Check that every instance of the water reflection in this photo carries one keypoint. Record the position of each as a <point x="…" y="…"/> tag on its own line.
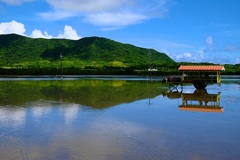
<point x="93" y="93"/>
<point x="104" y="120"/>
<point x="201" y="101"/>
<point x="198" y="101"/>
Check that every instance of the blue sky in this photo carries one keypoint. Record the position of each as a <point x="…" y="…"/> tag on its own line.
<point x="186" y="30"/>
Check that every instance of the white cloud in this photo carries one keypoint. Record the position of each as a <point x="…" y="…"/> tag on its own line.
<point x="112" y="6"/>
<point x="57" y="15"/>
<point x="38" y="34"/>
<point x="184" y="56"/>
<point x="209" y="42"/>
<point x="220" y="59"/>
<point x="112" y="14"/>
<point x="110" y="28"/>
<point x="237" y="61"/>
<point x="19" y="28"/>
<point x="15" y="2"/>
<point x="232" y="48"/>
<point x="115" y="19"/>
<point x="69" y="33"/>
<point x="12" y="27"/>
<point x="201" y="53"/>
<point x="89" y="6"/>
<point x="187" y="55"/>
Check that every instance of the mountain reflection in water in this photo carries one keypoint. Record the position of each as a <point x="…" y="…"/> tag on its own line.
<point x="93" y="93"/>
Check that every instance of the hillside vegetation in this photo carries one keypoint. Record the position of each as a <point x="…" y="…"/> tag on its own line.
<point x="91" y="53"/>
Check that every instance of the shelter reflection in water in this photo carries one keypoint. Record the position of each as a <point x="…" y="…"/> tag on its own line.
<point x="198" y="101"/>
<point x="201" y="101"/>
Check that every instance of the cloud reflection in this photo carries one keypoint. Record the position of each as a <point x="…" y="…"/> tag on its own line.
<point x="40" y="108"/>
<point x="70" y="113"/>
<point x="14" y="117"/>
<point x="39" y="111"/>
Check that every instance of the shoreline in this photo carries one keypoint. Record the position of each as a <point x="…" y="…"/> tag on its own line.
<point x="91" y="75"/>
<point x="103" y="77"/>
<point x="70" y="76"/>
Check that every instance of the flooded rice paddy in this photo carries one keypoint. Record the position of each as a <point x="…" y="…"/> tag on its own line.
<point x="117" y="118"/>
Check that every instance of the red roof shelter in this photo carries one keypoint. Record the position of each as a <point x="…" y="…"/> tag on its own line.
<point x="201" y="75"/>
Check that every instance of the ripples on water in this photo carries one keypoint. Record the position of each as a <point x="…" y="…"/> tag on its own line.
<point x="113" y="119"/>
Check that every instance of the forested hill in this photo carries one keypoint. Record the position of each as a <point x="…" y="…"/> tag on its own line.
<point x="20" y="51"/>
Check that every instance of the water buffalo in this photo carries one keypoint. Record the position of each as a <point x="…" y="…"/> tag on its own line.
<point x="173" y="81"/>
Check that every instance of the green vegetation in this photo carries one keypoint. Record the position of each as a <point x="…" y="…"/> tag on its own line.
<point x="92" y="55"/>
<point x="232" y="69"/>
<point x="21" y="55"/>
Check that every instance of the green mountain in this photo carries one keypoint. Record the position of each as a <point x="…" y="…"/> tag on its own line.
<point x="87" y="53"/>
<point x="90" y="48"/>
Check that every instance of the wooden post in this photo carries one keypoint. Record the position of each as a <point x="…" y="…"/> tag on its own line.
<point x="182" y="76"/>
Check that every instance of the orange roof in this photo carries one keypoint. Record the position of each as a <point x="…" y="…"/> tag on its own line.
<point x="201" y="68"/>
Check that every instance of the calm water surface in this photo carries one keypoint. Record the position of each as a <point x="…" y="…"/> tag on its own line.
<point x="117" y="119"/>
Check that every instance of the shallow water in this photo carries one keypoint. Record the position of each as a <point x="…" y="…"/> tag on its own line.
<point x="117" y="119"/>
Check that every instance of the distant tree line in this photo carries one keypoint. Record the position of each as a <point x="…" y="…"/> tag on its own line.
<point x="110" y="70"/>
